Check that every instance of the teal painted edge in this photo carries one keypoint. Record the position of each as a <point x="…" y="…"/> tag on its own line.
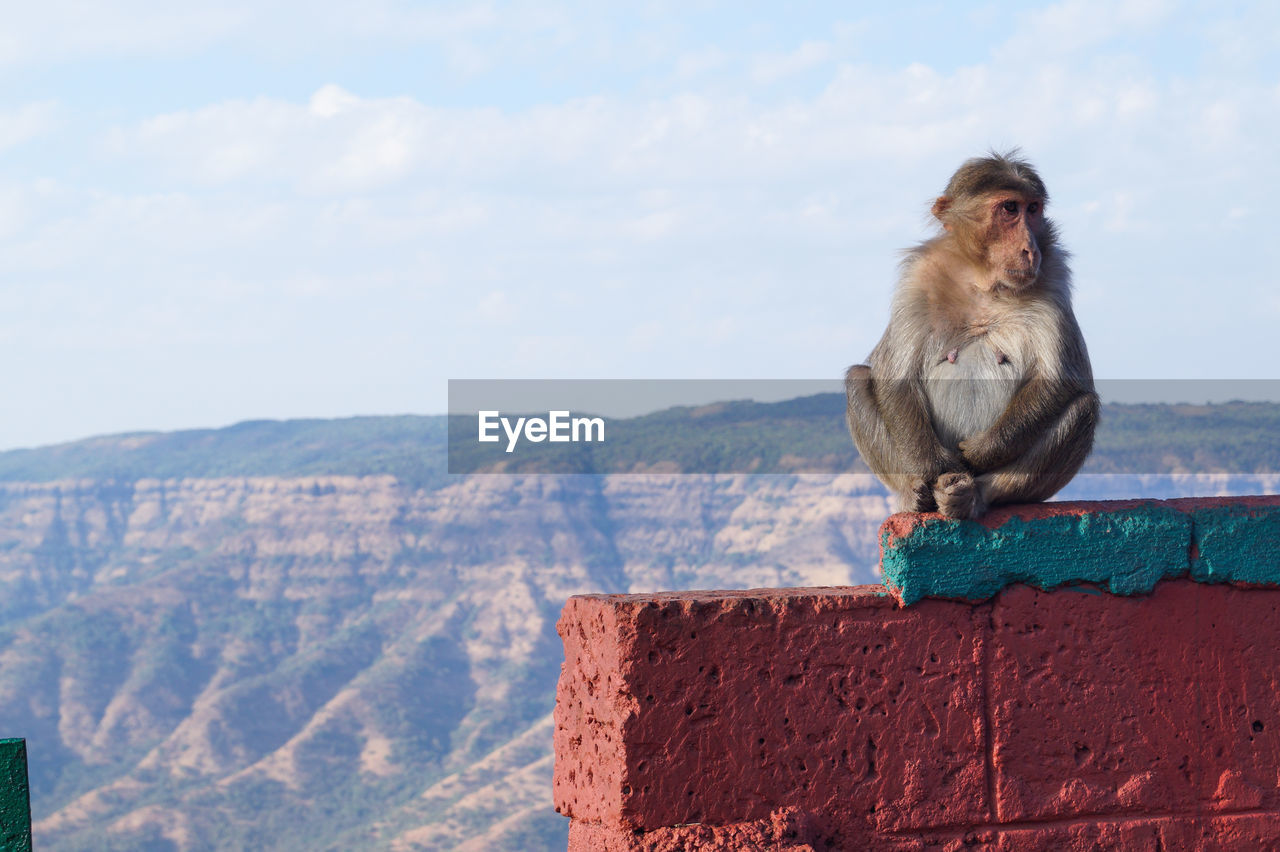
<point x="1236" y="544"/>
<point x="15" y="797"/>
<point x="1124" y="551"/>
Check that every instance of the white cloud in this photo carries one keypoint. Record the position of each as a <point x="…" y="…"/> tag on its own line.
<point x="61" y="30"/>
<point x="1074" y="25"/>
<point x="1220" y="121"/>
<point x="21" y="125"/>
<point x="339" y="142"/>
<point x="613" y="188"/>
<point x="772" y="67"/>
<point x="1243" y="39"/>
<point x="330" y="100"/>
<point x="57" y="30"/>
<point x="695" y="63"/>
<point x="496" y="308"/>
<point x="464" y="38"/>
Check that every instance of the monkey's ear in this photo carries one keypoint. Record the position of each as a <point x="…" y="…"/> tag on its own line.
<point x="941" y="206"/>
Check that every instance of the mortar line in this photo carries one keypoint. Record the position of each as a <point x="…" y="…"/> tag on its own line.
<point x="988" y="750"/>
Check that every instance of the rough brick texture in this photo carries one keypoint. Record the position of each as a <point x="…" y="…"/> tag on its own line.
<point x="723" y="699"/>
<point x="15" y="800"/>
<point x="838" y="718"/>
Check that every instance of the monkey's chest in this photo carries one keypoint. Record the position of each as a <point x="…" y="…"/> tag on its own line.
<point x="969" y="387"/>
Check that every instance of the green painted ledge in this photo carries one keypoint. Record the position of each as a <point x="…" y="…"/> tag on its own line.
<point x="15" y="797"/>
<point x="1122" y="546"/>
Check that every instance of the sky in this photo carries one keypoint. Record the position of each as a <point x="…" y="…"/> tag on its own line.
<point x="213" y="212"/>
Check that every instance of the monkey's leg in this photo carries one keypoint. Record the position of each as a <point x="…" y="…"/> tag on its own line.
<point x="876" y="446"/>
<point x="1050" y="462"/>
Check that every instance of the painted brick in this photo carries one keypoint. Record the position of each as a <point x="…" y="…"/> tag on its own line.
<point x="1158" y="703"/>
<point x="1236" y="540"/>
<point x="1124" y="546"/>
<point x="731" y="706"/>
<point x="784" y="831"/>
<point x="15" y="799"/>
<point x="591" y="711"/>
<point x="1184" y="833"/>
<point x="1019" y="719"/>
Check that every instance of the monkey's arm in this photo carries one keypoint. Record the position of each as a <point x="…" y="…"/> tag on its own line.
<point x="1032" y="411"/>
<point x="905" y="409"/>
<point x="898" y="365"/>
<point x="895" y="437"/>
<point x="891" y="391"/>
<point x="1063" y="379"/>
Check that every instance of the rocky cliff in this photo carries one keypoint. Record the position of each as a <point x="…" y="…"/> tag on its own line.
<point x="343" y="662"/>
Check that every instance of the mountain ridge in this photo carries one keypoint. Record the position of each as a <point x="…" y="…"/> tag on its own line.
<point x="802" y="435"/>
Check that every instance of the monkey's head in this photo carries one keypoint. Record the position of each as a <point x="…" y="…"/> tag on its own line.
<point x="993" y="212"/>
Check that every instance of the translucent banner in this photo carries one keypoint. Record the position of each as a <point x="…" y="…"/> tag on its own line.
<point x="798" y="426"/>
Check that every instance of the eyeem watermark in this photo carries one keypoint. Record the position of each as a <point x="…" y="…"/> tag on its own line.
<point x="558" y="427"/>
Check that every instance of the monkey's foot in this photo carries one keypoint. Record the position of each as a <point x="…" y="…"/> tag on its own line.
<point x="918" y="499"/>
<point x="957" y="496"/>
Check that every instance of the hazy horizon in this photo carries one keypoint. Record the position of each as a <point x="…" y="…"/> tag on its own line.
<point x="625" y="399"/>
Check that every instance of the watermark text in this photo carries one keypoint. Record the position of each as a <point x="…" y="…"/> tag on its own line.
<point x="558" y="427"/>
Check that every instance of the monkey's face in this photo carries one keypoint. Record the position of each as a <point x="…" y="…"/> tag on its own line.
<point x="1015" y="223"/>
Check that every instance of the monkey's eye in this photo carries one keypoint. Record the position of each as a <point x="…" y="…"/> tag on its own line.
<point x="1010" y="206"/>
<point x="1033" y="207"/>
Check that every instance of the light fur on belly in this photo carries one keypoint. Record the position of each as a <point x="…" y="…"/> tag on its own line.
<point x="966" y="397"/>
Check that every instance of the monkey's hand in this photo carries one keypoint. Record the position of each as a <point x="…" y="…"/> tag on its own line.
<point x="944" y="461"/>
<point x="920" y="493"/>
<point x="982" y="453"/>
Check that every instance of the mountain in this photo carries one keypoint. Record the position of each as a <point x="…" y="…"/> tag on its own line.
<point x="307" y="635"/>
<point x="409" y="447"/>
<point x="805" y="435"/>
<point x="346" y="662"/>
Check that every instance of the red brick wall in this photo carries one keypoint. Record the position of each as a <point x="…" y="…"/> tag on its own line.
<point x="836" y="719"/>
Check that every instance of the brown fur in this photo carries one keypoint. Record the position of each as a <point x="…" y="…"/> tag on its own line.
<point x="980" y="391"/>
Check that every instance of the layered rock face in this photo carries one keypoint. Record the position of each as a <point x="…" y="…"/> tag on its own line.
<point x="341" y="662"/>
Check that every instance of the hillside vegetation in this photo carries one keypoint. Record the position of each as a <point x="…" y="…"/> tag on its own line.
<point x="805" y="435"/>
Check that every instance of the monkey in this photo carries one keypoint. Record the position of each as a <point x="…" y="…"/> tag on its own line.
<point x="980" y="392"/>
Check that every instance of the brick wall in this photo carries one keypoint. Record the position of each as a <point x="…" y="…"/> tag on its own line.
<point x="1014" y="718"/>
